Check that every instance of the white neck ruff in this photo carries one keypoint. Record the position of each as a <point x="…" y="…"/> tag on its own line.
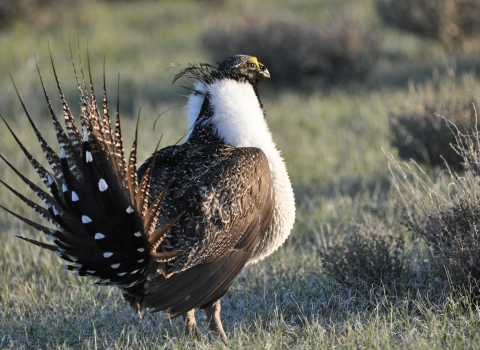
<point x="239" y="121"/>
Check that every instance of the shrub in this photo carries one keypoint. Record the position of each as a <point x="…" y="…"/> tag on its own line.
<point x="373" y="256"/>
<point x="347" y="50"/>
<point x="214" y="3"/>
<point x="297" y="52"/>
<point x="446" y="214"/>
<point x="447" y="21"/>
<point x="12" y="9"/>
<point x="35" y="9"/>
<point x="422" y="130"/>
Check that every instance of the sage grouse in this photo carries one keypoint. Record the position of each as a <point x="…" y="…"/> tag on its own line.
<point x="176" y="234"/>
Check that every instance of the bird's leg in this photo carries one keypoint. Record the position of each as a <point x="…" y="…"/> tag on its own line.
<point x="190" y="324"/>
<point x="213" y="320"/>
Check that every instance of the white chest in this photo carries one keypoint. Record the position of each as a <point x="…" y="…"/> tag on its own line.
<point x="240" y="122"/>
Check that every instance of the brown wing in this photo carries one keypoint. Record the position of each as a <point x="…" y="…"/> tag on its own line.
<point x="227" y="204"/>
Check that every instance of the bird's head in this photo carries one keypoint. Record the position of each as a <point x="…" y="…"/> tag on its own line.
<point x="244" y="67"/>
<point x="238" y="67"/>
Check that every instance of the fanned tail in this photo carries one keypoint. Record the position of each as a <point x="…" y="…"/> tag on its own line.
<point x="104" y="227"/>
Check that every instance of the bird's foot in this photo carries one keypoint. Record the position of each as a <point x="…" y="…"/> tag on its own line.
<point x="214" y="321"/>
<point x="191" y="329"/>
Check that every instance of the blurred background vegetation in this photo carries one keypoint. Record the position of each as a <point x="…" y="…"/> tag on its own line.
<point x="311" y="48"/>
<point x="351" y="82"/>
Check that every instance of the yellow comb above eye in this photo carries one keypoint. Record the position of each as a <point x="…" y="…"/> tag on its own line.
<point x="254" y="60"/>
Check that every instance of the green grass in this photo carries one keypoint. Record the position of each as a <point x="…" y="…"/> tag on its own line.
<point x="333" y="145"/>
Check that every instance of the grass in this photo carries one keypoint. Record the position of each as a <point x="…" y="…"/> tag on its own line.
<point x="332" y="142"/>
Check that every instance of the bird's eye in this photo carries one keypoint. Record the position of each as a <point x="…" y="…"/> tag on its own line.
<point x="251" y="65"/>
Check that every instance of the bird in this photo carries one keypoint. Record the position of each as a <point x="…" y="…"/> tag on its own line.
<point x="174" y="234"/>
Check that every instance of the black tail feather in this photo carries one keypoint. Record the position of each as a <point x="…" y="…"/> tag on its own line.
<point x="51" y="247"/>
<point x="104" y="224"/>
<point x="132" y="177"/>
<point x="40" y="210"/>
<point x="38" y="227"/>
<point x="49" y="200"/>
<point x="144" y="187"/>
<point x="63" y="140"/>
<point x="70" y="124"/>
<point x="44" y="175"/>
<point x="119" y="150"/>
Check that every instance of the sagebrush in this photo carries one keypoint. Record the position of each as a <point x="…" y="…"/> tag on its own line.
<point x="422" y="129"/>
<point x="298" y="52"/>
<point x="449" y="22"/>
<point x="372" y="257"/>
<point x="38" y="10"/>
<point x="446" y="213"/>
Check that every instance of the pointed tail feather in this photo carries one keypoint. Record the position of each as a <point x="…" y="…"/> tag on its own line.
<point x="104" y="225"/>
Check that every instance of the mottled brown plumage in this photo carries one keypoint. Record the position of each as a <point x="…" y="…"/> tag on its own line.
<point x="174" y="236"/>
<point x="224" y="196"/>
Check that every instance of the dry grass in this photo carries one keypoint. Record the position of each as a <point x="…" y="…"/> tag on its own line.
<point x="332" y="144"/>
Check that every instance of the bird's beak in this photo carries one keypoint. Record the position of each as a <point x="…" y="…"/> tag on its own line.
<point x="263" y="70"/>
<point x="265" y="73"/>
